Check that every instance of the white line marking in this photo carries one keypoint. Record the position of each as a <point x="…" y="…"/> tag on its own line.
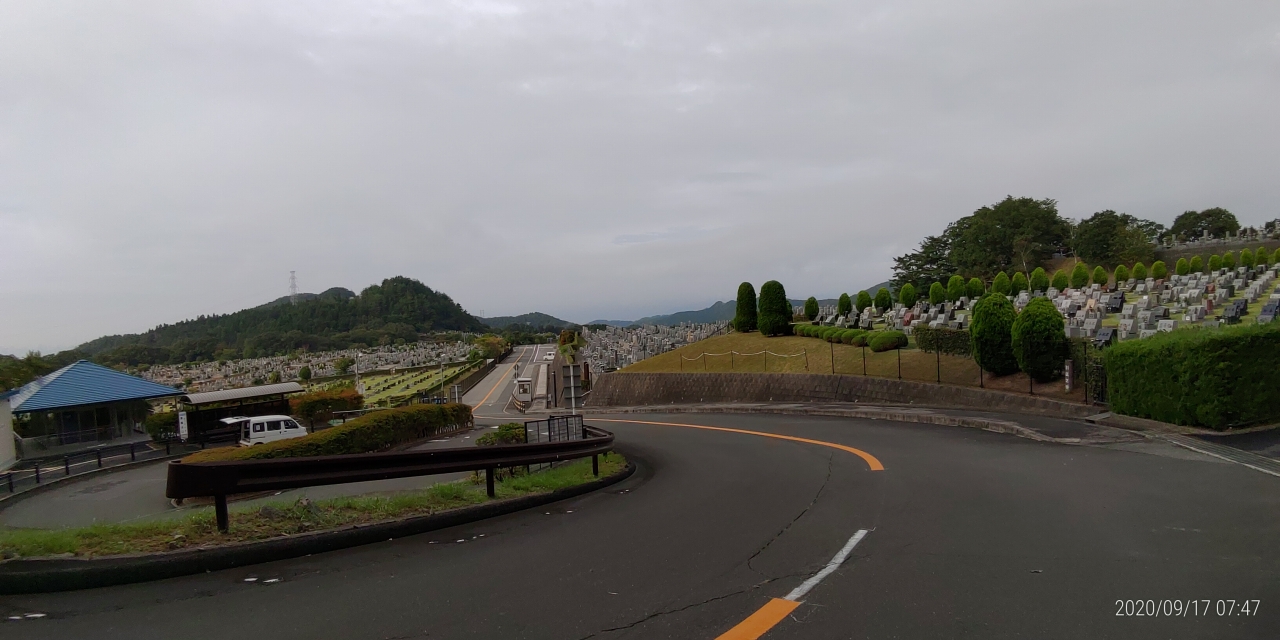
<point x="807" y="585"/>
<point x="1179" y="442"/>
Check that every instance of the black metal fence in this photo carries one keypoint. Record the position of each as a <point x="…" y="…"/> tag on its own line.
<point x="39" y="471"/>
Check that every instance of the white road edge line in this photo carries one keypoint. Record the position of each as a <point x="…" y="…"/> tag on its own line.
<point x="808" y="585"/>
<point x="1218" y="456"/>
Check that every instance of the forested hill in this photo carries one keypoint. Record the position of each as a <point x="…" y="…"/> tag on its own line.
<point x="397" y="309"/>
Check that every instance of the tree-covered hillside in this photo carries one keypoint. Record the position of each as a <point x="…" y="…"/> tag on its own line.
<point x="397" y="309"/>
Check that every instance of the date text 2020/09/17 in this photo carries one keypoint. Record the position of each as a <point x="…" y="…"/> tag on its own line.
<point x="1186" y="608"/>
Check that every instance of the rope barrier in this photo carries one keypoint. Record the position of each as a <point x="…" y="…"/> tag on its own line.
<point x="779" y="355"/>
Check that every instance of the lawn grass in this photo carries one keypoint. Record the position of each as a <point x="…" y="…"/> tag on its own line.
<point x="916" y="365"/>
<point x="283" y="519"/>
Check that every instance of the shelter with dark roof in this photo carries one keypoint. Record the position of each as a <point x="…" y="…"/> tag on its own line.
<point x="202" y="413"/>
<point x="81" y="402"/>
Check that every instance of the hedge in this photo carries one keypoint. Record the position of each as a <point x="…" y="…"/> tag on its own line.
<point x="161" y="426"/>
<point x="953" y="342"/>
<point x="1039" y="340"/>
<point x="1216" y="378"/>
<point x="377" y="431"/>
<point x="886" y="340"/>
<point x="848" y="336"/>
<point x="991" y="333"/>
<point x="860" y="339"/>
<point x="318" y="406"/>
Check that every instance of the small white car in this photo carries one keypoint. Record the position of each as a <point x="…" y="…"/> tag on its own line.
<point x="549" y="357"/>
<point x="260" y="429"/>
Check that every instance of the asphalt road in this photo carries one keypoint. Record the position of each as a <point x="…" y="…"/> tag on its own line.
<point x="493" y="394"/>
<point x="971" y="535"/>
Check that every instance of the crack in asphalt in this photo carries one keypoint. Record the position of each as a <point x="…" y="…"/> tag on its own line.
<point x="830" y="460"/>
<point x="686" y="607"/>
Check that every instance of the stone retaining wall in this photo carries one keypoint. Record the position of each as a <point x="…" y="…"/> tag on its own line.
<point x="637" y="389"/>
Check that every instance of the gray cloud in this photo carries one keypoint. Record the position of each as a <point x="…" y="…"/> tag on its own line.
<point x="164" y="159"/>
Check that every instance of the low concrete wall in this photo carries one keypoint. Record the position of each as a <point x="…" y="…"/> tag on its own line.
<point x="640" y="389"/>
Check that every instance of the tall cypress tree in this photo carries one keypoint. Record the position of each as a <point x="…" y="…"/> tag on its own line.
<point x="745" y="318"/>
<point x="811" y="308"/>
<point x="844" y="306"/>
<point x="775" y="310"/>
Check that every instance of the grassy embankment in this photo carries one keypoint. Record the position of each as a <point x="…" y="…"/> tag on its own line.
<point x="917" y="365"/>
<point x="283" y="519"/>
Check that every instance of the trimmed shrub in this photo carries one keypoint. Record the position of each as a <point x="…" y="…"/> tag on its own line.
<point x="1246" y="258"/>
<point x="834" y="335"/>
<point x="371" y="432"/>
<point x="1158" y="270"/>
<point x="1215" y="262"/>
<point x="798" y="329"/>
<point x="949" y="341"/>
<point x="1001" y="284"/>
<point x="907" y="295"/>
<point x="1182" y="267"/>
<point x="1018" y="284"/>
<point x="991" y="335"/>
<point x="509" y="433"/>
<point x="844" y="306"/>
<point x="937" y="294"/>
<point x="1060" y="280"/>
<point x="1139" y="272"/>
<point x="1079" y="276"/>
<point x="1229" y="260"/>
<point x="1275" y="257"/>
<point x="1039" y="280"/>
<point x="955" y="289"/>
<point x="1039" y="340"/>
<point x="1216" y="378"/>
<point x="864" y="301"/>
<point x="811" y="308"/>
<point x="318" y="406"/>
<point x="974" y="289"/>
<point x="1099" y="276"/>
<point x="1262" y="257"/>
<point x="860" y="340"/>
<point x="1121" y="274"/>
<point x="1197" y="264"/>
<point x="825" y="333"/>
<point x="774" y="318"/>
<point x="848" y="335"/>
<point x="884" y="300"/>
<point x="886" y="340"/>
<point x="161" y="426"/>
<point x="744" y="318"/>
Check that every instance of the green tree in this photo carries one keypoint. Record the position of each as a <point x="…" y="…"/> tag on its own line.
<point x="974" y="289"/>
<point x="1039" y="340"/>
<point x="1158" y="270"/>
<point x="1262" y="256"/>
<point x="1215" y="262"/>
<point x="1196" y="265"/>
<point x="744" y="317"/>
<point x="1039" y="280"/>
<point x="1100" y="276"/>
<point x="1079" y="276"/>
<point x="1275" y="257"/>
<point x="1108" y="237"/>
<point x="1139" y="272"/>
<point x="1229" y="260"/>
<point x="343" y="365"/>
<point x="931" y="262"/>
<point x="1015" y="232"/>
<point x="304" y="373"/>
<point x="955" y="288"/>
<point x="1001" y="284"/>
<point x="907" y="295"/>
<point x="844" y="306"/>
<point x="1217" y="221"/>
<point x="884" y="300"/>
<point x="774" y="318"/>
<point x="1246" y="258"/>
<point x="1018" y="284"/>
<point x="272" y="378"/>
<point x="1060" y="281"/>
<point x="811" y="308"/>
<point x="1121" y="274"/>
<point x="1182" y="267"/>
<point x="937" y="294"/>
<point x="991" y="334"/>
<point x="864" y="301"/>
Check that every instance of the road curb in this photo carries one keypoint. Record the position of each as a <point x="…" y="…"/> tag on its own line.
<point x="915" y="415"/>
<point x="42" y="575"/>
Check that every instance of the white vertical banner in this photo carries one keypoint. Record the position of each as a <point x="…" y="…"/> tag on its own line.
<point x="182" y="425"/>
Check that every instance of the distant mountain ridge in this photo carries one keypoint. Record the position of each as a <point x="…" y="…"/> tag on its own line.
<point x="534" y="319"/>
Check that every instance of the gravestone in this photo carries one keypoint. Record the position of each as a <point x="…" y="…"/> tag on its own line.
<point x="1166" y="325"/>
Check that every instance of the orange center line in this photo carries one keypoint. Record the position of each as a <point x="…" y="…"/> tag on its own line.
<point x="764" y="619"/>
<point x="871" y="460"/>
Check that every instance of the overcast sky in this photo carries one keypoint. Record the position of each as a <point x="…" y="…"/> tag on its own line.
<point x="160" y="160"/>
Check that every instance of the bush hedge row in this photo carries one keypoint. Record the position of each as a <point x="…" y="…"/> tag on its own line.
<point x="955" y="342"/>
<point x="886" y="340"/>
<point x="376" y="431"/>
<point x="1216" y="378"/>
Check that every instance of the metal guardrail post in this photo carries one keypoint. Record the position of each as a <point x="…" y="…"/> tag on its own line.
<point x="66" y="464"/>
<point x="99" y="452"/>
<point x="595" y="465"/>
<point x="220" y="511"/>
<point x="37" y="473"/>
<point x="166" y="447"/>
<point x="488" y="481"/>
<point x="9" y="477"/>
<point x="133" y="457"/>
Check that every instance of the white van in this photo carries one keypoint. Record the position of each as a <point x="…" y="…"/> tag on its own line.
<point x="260" y="429"/>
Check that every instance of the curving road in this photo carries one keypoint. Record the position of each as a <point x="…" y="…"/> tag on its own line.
<point x="970" y="535"/>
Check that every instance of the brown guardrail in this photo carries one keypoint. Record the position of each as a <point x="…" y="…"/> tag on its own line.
<point x="221" y="479"/>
